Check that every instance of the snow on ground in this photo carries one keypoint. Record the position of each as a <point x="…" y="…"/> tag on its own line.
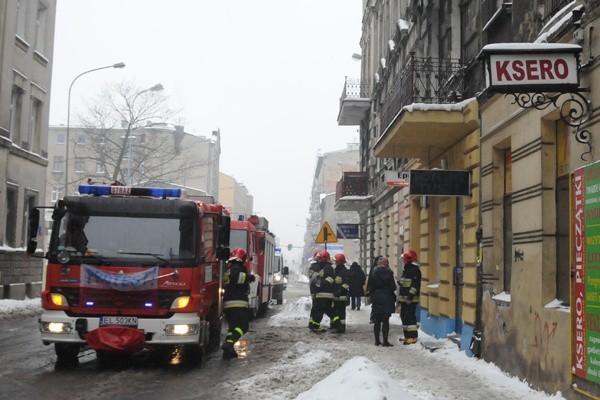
<point x="17" y="308"/>
<point x="328" y="366"/>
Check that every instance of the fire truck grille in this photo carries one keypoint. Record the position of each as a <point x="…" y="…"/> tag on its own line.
<point x="148" y="299"/>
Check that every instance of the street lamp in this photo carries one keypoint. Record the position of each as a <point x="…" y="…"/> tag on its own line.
<point x="117" y="65"/>
<point x="128" y="136"/>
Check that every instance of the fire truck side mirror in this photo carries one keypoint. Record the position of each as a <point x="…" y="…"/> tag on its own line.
<point x="33" y="226"/>
<point x="224" y="230"/>
<point x="286" y="271"/>
<point x="223" y="253"/>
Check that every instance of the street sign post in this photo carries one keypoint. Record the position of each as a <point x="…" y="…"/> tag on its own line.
<point x="326" y="235"/>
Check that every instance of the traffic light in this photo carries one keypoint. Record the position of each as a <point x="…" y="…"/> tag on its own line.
<point x="290" y="247"/>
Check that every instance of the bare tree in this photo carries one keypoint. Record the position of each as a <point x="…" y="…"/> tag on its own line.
<point x="130" y="133"/>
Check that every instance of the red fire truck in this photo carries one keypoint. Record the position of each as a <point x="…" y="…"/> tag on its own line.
<point x="132" y="268"/>
<point x="253" y="235"/>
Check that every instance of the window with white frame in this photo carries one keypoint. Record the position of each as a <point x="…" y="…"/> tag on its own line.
<point x="60" y="137"/>
<point x="35" y="121"/>
<point x="16" y="105"/>
<point x="57" y="193"/>
<point x="79" y="165"/>
<point x="41" y="26"/>
<point x="22" y="19"/>
<point x="100" y="167"/>
<point x="58" y="164"/>
<point x="30" y="203"/>
<point x="80" y="138"/>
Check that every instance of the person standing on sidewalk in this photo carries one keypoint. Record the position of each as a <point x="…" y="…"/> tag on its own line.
<point x="323" y="299"/>
<point x="382" y="287"/>
<point x="410" y="288"/>
<point x="357" y="279"/>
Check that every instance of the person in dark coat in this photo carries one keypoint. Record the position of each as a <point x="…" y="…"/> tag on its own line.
<point x="375" y="261"/>
<point x="382" y="288"/>
<point x="357" y="282"/>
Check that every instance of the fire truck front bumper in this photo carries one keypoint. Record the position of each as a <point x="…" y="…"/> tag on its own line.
<point x="181" y="328"/>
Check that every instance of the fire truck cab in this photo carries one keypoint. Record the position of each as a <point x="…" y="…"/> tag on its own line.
<point x="132" y="268"/>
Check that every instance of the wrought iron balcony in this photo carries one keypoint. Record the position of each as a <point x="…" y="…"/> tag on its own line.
<point x="424" y="80"/>
<point x="352" y="191"/>
<point x="354" y="102"/>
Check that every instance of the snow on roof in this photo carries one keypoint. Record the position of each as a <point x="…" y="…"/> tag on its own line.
<point x="402" y="24"/>
<point x="522" y="47"/>
<point x="439" y="107"/>
<point x="556" y="23"/>
<point x="355" y="197"/>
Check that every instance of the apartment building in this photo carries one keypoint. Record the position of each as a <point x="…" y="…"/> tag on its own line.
<point x="499" y="269"/>
<point x="26" y="52"/>
<point x="235" y="196"/>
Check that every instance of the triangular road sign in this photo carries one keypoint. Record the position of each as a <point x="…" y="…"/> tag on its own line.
<point x="326" y="235"/>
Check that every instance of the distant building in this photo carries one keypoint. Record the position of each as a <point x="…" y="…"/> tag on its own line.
<point x="328" y="171"/>
<point x="235" y="196"/>
<point x="178" y="159"/>
<point x="26" y="53"/>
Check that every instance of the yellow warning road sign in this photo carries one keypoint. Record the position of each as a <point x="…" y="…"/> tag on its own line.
<point x="326" y="235"/>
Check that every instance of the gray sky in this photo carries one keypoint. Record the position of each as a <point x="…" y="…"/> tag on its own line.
<point x="267" y="73"/>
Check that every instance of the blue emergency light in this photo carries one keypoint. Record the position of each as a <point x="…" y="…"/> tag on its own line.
<point x="105" y="190"/>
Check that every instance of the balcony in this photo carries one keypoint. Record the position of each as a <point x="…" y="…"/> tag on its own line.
<point x="352" y="192"/>
<point x="424" y="113"/>
<point x="354" y="102"/>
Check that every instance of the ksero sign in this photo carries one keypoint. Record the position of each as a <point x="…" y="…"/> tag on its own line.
<point x="531" y="67"/>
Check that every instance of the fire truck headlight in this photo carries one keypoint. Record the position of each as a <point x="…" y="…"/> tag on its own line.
<point x="277" y="278"/>
<point x="181" y="302"/>
<point x="181" y="329"/>
<point x="58" y="299"/>
<point x="56" y="327"/>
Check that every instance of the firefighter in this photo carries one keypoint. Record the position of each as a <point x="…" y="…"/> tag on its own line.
<point x="236" y="282"/>
<point x="340" y="298"/>
<point x="410" y="287"/>
<point x="323" y="299"/>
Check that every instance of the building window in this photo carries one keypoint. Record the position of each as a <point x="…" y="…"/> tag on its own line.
<point x="16" y="104"/>
<point x="60" y="137"/>
<point x="562" y="209"/>
<point x="35" y="127"/>
<point x="79" y="165"/>
<point x="100" y="167"/>
<point x="58" y="164"/>
<point x="10" y="233"/>
<point x="507" y="220"/>
<point x="30" y="202"/>
<point x="81" y="138"/>
<point x="57" y="193"/>
<point x="22" y="19"/>
<point x="41" y="26"/>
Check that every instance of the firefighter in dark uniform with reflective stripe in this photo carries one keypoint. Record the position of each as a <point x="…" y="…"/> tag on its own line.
<point x="340" y="298"/>
<point x="236" y="282"/>
<point x="313" y="277"/>
<point x="410" y="288"/>
<point x="323" y="299"/>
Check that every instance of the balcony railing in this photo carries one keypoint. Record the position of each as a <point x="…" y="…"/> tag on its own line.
<point x="424" y="80"/>
<point x="352" y="184"/>
<point x="354" y="89"/>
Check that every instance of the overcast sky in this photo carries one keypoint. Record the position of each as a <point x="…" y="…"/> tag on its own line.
<point x="267" y="73"/>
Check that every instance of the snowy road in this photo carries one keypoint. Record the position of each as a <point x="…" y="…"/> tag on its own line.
<point x="282" y="360"/>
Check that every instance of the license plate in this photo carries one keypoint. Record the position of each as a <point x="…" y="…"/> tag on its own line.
<point x="118" y="320"/>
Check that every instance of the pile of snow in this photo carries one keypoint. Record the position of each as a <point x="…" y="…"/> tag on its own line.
<point x="292" y="314"/>
<point x="20" y="308"/>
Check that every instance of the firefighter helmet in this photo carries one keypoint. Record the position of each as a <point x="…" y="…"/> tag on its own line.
<point x="238" y="254"/>
<point x="340" y="259"/>
<point x="383" y="261"/>
<point x="410" y="256"/>
<point x="324" y="255"/>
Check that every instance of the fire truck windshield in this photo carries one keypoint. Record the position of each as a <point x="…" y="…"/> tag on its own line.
<point x="106" y="236"/>
<point x="238" y="238"/>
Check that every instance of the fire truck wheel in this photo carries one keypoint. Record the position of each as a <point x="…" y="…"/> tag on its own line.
<point x="66" y="353"/>
<point x="193" y="354"/>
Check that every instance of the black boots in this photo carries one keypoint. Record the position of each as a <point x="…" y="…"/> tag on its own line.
<point x="385" y="327"/>
<point x="228" y="351"/>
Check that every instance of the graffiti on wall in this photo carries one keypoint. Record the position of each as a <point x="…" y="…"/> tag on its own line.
<point x="543" y="334"/>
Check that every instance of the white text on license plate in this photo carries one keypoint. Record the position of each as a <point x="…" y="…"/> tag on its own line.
<point x="119" y="320"/>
